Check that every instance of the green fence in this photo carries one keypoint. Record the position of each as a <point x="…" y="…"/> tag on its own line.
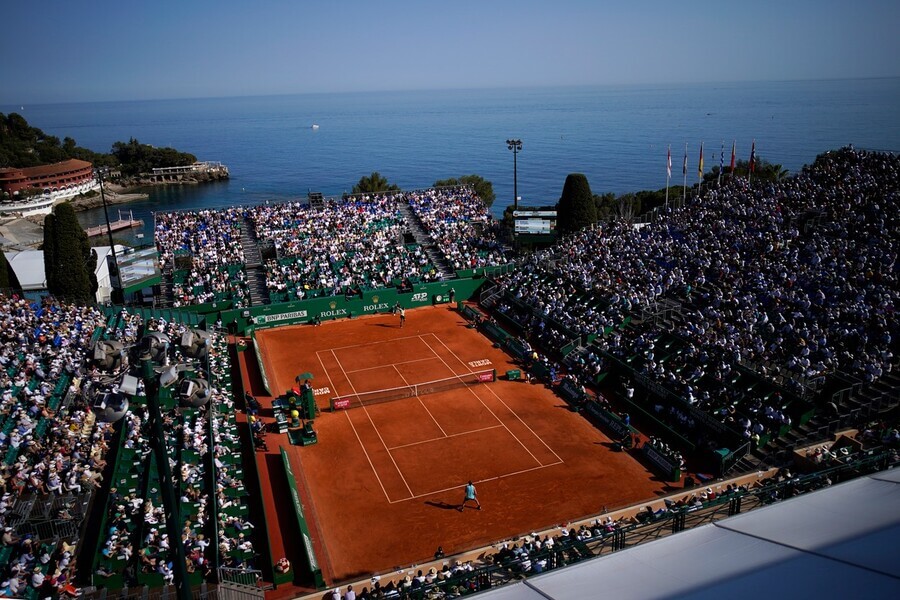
<point x="312" y="564"/>
<point x="340" y="307"/>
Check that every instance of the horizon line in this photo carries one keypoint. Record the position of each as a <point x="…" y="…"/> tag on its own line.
<point x="454" y="89"/>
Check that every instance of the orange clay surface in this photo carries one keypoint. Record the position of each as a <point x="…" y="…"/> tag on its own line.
<point x="382" y="486"/>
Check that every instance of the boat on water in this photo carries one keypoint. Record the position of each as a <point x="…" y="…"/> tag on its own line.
<point x="314" y="126"/>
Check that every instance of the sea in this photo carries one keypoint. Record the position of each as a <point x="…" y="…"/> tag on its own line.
<point x="618" y="136"/>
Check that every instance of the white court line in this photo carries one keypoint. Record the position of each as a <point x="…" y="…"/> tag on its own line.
<point x="498" y="398"/>
<point x="486" y="406"/>
<point x="403" y="362"/>
<point x="498" y="477"/>
<point x="408" y="337"/>
<point x="445" y="437"/>
<point x="444" y="433"/>
<point x="353" y="427"/>
<point x="409" y="489"/>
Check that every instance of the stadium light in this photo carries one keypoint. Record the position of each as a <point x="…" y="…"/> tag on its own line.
<point x="516" y="147"/>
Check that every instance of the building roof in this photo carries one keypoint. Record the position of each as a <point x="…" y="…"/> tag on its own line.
<point x="66" y="166"/>
<point x="28" y="266"/>
<point x="831" y="543"/>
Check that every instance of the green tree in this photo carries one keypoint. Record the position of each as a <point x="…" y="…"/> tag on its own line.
<point x="374" y="183"/>
<point x="483" y="188"/>
<point x="576" y="209"/>
<point x="136" y="158"/>
<point x="69" y="262"/>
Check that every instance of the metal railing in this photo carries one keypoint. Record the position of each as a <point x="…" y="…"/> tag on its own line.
<point x="246" y="578"/>
<point x="498" y="571"/>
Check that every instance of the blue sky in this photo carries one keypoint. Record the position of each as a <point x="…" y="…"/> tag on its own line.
<point x="64" y="51"/>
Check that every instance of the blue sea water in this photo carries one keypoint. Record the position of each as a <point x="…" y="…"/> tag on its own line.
<point x="616" y="135"/>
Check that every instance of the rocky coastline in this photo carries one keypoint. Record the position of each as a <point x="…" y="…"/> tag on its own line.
<point x="23" y="233"/>
<point x="115" y="194"/>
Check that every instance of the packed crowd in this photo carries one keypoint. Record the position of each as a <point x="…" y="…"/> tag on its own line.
<point x="794" y="280"/>
<point x="343" y="247"/>
<point x="215" y="520"/>
<point x="203" y="252"/>
<point x="347" y="245"/>
<point x="53" y="450"/>
<point x="461" y="225"/>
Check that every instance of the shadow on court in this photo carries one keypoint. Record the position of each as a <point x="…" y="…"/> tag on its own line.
<point x="442" y="505"/>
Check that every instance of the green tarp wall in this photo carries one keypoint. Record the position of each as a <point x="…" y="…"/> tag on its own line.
<point x="341" y="307"/>
<point x="312" y="565"/>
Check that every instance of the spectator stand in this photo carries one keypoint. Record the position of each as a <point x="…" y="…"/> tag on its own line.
<point x="207" y="481"/>
<point x="348" y="245"/>
<point x="201" y="257"/>
<point x="43" y="422"/>
<point x="232" y="526"/>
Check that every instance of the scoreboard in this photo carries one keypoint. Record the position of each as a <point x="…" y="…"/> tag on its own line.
<point x="535" y="222"/>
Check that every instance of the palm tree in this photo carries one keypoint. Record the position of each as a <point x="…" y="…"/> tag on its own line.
<point x="779" y="173"/>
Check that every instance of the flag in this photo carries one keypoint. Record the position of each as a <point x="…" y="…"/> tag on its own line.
<point x="733" y="145"/>
<point x="722" y="159"/>
<point x="684" y="164"/>
<point x="753" y="156"/>
<point x="669" y="163"/>
<point x="700" y="164"/>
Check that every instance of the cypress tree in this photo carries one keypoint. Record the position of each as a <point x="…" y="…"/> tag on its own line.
<point x="576" y="209"/>
<point x="68" y="259"/>
<point x="50" y="250"/>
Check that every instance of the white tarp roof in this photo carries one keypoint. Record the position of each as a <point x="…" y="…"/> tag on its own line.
<point x="834" y="543"/>
<point x="28" y="266"/>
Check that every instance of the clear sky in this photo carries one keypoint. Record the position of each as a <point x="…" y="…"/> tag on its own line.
<point x="65" y="51"/>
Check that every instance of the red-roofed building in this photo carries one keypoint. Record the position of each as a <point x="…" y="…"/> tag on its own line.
<point x="67" y="175"/>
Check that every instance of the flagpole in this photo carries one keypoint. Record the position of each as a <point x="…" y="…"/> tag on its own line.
<point x="700" y="170"/>
<point x="668" y="173"/>
<point x="750" y="166"/>
<point x="733" y="151"/>
<point x="721" y="164"/>
<point x="684" y="171"/>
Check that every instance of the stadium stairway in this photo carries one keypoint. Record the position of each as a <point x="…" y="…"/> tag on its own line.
<point x="850" y="410"/>
<point x="256" y="274"/>
<point x="423" y="239"/>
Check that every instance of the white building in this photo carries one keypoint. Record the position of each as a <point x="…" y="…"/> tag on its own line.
<point x="28" y="266"/>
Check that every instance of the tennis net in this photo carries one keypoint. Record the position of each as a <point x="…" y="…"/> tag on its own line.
<point x="412" y="391"/>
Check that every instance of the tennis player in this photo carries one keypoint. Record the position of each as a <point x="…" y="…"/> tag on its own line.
<point x="402" y="317"/>
<point x="471" y="496"/>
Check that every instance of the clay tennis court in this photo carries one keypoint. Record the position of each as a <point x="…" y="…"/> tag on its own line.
<point x="385" y="480"/>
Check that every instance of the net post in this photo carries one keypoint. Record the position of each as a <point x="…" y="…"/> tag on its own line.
<point x="494" y="372"/>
